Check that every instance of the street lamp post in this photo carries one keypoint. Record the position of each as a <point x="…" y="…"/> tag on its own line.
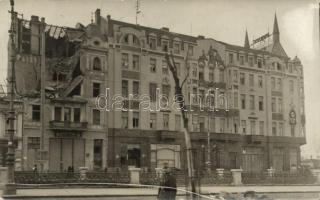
<point x="10" y="187"/>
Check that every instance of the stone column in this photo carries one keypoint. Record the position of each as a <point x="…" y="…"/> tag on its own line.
<point x="134" y="175"/>
<point x="236" y="176"/>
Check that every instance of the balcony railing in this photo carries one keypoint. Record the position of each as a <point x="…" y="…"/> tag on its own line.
<point x="68" y="126"/>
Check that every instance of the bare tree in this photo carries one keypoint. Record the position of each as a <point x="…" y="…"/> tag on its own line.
<point x="179" y="98"/>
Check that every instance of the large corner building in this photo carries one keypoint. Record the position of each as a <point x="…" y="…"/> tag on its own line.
<point x="258" y="124"/>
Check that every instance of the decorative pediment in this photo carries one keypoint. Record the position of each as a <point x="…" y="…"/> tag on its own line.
<point x="212" y="58"/>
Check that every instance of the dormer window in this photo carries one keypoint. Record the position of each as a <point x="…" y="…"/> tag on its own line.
<point x="97" y="64"/>
<point x="259" y="63"/>
<point x="126" y="39"/>
<point x="165" y="46"/>
<point x="190" y="50"/>
<point x="152" y="43"/>
<point x="176" y="48"/>
<point x="278" y="66"/>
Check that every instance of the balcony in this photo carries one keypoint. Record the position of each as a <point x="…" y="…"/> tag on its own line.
<point x="68" y="126"/>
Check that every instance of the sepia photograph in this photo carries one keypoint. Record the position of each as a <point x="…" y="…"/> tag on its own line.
<point x="159" y="99"/>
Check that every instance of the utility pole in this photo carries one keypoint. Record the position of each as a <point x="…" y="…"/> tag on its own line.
<point x="208" y="144"/>
<point x="42" y="91"/>
<point x="10" y="187"/>
<point x="137" y="10"/>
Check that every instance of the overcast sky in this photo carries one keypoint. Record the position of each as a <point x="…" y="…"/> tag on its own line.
<point x="223" y="20"/>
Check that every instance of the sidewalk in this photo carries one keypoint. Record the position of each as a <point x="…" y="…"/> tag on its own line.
<point x="117" y="192"/>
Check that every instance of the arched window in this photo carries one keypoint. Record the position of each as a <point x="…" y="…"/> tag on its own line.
<point x="96" y="64"/>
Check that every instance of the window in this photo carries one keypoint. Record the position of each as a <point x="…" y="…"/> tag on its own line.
<point x="202" y="124"/>
<point x="230" y="58"/>
<point x="281" y="129"/>
<point x="166" y="90"/>
<point x="273" y="83"/>
<point x="165" y="46"/>
<point x="166" y="121"/>
<point x="235" y="76"/>
<point x="125" y="61"/>
<point x="235" y="99"/>
<point x="274" y="128"/>
<point x="33" y="142"/>
<point x="242" y="79"/>
<point x="95" y="89"/>
<point x="124" y="120"/>
<point x="135" y="62"/>
<point x="290" y="68"/>
<point x="291" y="86"/>
<point x="177" y="122"/>
<point x="292" y="131"/>
<point x="212" y="124"/>
<point x="251" y="61"/>
<point x="252" y="127"/>
<point x="201" y="73"/>
<point x="222" y="125"/>
<point x="135" y="40"/>
<point x="57" y="113"/>
<point x="176" y="48"/>
<point x="195" y="123"/>
<point x="252" y="103"/>
<point x="221" y="76"/>
<point x="152" y="43"/>
<point x="260" y="103"/>
<point x="279" y="68"/>
<point x="190" y="50"/>
<point x="280" y="105"/>
<point x="153" y="91"/>
<point x="153" y="65"/>
<point x="243" y="101"/>
<point x="125" y="91"/>
<point x="194" y="71"/>
<point x="273" y="104"/>
<point x="153" y="120"/>
<point x="241" y="60"/>
<point x="251" y="80"/>
<point x="165" y="69"/>
<point x="76" y="114"/>
<point x="260" y="82"/>
<point x="279" y="84"/>
<point x="126" y="39"/>
<point x="35" y="112"/>
<point x="67" y="114"/>
<point x="96" y="64"/>
<point x="244" y="126"/>
<point x="96" y="117"/>
<point x="211" y="74"/>
<point x="135" y="87"/>
<point x="261" y="127"/>
<point x="259" y="63"/>
<point x="135" y="119"/>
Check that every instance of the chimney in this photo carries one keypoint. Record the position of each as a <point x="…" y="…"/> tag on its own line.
<point x="201" y="37"/>
<point x="35" y="35"/>
<point x="165" y="29"/>
<point x="97" y="17"/>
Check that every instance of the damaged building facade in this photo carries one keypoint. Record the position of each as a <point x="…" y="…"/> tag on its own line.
<point x="258" y="124"/>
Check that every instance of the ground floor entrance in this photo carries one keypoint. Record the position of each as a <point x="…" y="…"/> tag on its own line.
<point x="66" y="152"/>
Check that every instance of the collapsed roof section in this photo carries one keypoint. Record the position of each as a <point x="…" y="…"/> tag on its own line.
<point x="62" y="51"/>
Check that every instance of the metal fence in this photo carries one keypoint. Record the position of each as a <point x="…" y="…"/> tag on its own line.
<point x="27" y="177"/>
<point x="285" y="178"/>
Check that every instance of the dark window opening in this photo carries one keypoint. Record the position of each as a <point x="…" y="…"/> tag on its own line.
<point x="57" y="113"/>
<point x="67" y="114"/>
<point x="95" y="89"/>
<point x="76" y="114"/>
<point x="36" y="112"/>
<point x="96" y="117"/>
<point x="96" y="64"/>
<point x="97" y="154"/>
